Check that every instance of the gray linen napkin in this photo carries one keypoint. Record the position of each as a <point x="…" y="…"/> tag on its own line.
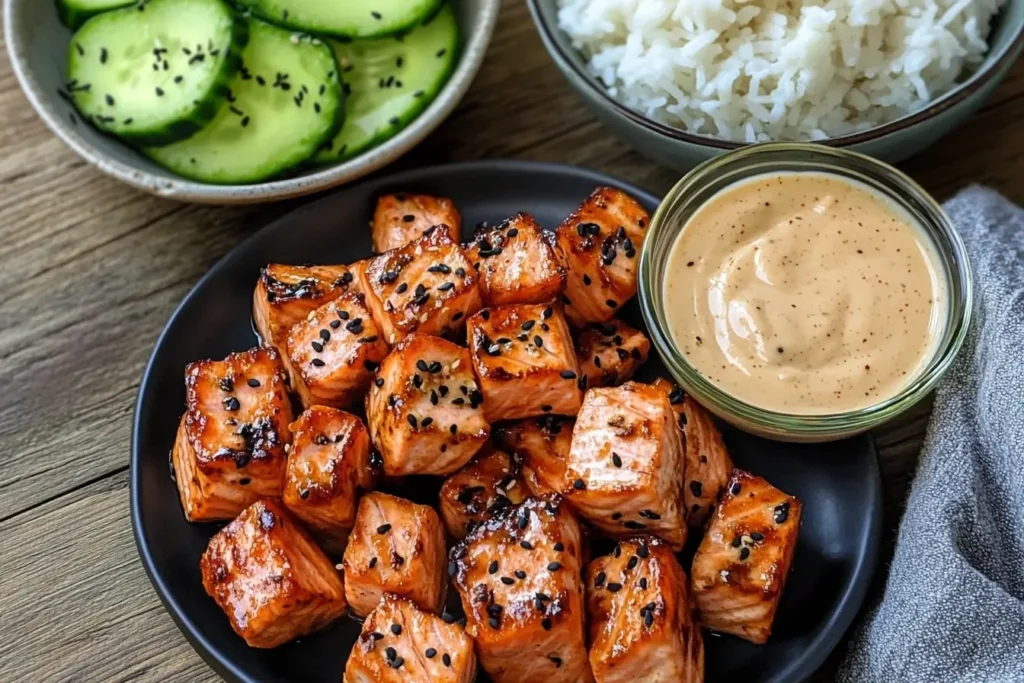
<point x="953" y="609"/>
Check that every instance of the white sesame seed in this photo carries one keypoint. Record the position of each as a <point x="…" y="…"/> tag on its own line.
<point x="338" y="566"/>
<point x="312" y="314"/>
<point x="512" y="485"/>
<point x="295" y="39"/>
<point x="287" y="448"/>
<point x="423" y="318"/>
<point x="393" y="335"/>
<point x="455" y="364"/>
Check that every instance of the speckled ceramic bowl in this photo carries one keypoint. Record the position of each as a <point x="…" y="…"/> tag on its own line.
<point x="37" y="44"/>
<point x="892" y="142"/>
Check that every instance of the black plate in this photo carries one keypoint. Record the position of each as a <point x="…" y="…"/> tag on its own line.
<point x="838" y="483"/>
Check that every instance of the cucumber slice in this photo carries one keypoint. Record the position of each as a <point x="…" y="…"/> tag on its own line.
<point x="156" y="72"/>
<point x="390" y="81"/>
<point x="74" y="13"/>
<point x="284" y="104"/>
<point x="345" y="18"/>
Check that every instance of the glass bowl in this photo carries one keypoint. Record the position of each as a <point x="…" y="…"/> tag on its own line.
<point x="713" y="176"/>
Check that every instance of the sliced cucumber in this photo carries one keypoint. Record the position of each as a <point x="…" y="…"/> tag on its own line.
<point x="74" y="13"/>
<point x="345" y="18"/>
<point x="390" y="81"/>
<point x="284" y="104"/>
<point x="156" y="72"/>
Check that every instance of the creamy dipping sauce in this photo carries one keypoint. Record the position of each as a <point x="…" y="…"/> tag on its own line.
<point x="805" y="293"/>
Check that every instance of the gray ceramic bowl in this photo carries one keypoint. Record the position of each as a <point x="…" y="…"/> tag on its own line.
<point x="891" y="142"/>
<point x="37" y="43"/>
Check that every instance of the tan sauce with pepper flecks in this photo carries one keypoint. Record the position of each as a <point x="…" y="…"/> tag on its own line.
<point x="805" y="293"/>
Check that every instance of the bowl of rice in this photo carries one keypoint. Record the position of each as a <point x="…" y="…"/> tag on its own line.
<point x="685" y="80"/>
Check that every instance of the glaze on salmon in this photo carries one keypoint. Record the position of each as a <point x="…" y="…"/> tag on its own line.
<point x="517" y="264"/>
<point x="286" y="294"/>
<point x="272" y="581"/>
<point x="542" y="446"/>
<point x="487" y="484"/>
<point x="230" y="450"/>
<point x="402" y="218"/>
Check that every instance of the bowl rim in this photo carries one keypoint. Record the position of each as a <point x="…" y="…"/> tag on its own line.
<point x="175" y="187"/>
<point x="810" y="157"/>
<point x="987" y="71"/>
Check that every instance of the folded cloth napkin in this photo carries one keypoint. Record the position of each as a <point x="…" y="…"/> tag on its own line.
<point x="953" y="608"/>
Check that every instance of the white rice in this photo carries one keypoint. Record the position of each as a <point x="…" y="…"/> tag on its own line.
<point x="778" y="69"/>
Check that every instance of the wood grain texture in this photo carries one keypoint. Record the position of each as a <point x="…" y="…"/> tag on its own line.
<point x="91" y="270"/>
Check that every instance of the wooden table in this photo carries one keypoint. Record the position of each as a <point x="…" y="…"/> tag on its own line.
<point x="90" y="271"/>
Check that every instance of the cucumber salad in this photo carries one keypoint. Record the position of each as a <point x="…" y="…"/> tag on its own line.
<point x="239" y="93"/>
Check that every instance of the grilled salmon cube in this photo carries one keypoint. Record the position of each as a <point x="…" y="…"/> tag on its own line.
<point x="641" y="616"/>
<point x="610" y="353"/>
<point x="517" y="265"/>
<point x="270" y="578"/>
<point x="328" y="465"/>
<point x="541" y="445"/>
<point x="333" y="353"/>
<point x="625" y="464"/>
<point x="599" y="244"/>
<point x="395" y="547"/>
<point x="401" y="643"/>
<point x="424" y="408"/>
<point x="518" y="576"/>
<point x="230" y="448"/>
<point x="426" y="286"/>
<point x="707" y="464"/>
<point x="740" y="568"/>
<point x="402" y="218"/>
<point x="488" y="483"/>
<point x="524" y="359"/>
<point x="286" y="294"/>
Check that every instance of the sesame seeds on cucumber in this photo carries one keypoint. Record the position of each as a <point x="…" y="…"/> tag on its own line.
<point x="155" y="72"/>
<point x="390" y="81"/>
<point x="282" y="106"/>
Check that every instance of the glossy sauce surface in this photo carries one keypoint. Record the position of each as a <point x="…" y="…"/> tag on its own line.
<point x="805" y="293"/>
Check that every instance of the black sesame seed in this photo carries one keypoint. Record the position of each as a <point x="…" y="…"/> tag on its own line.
<point x="317" y="346"/>
<point x="520" y="574"/>
<point x="383" y="528"/>
<point x="616" y="516"/>
<point x="453" y="429"/>
<point x="492" y="568"/>
<point x="427" y="421"/>
<point x="757" y="536"/>
<point x="579" y="484"/>
<point x="545" y="624"/>
<point x="446" y="659"/>
<point x="568" y="374"/>
<point x="231" y="403"/>
<point x="430" y="653"/>
<point x="538" y="341"/>
<point x="370" y="365"/>
<point x="632" y="562"/>
<point x="611" y="304"/>
<point x="599" y="580"/>
<point x="616" y="460"/>
<point x="375" y="15"/>
<point x="245" y="121"/>
<point x="735" y="490"/>
<point x="744" y="553"/>
<point x="412" y="420"/>
<point x="554" y="566"/>
<point x="630" y="524"/>
<point x="546" y="408"/>
<point x="494" y="622"/>
<point x="781" y="513"/>
<point x="507" y="580"/>
<point x="614" y="587"/>
<point x="317" y="363"/>
<point x="390" y="653"/>
<point x="643" y="552"/>
<point x="343" y="315"/>
<point x="445" y="286"/>
<point x="325" y="335"/>
<point x="649" y="514"/>
<point x="557" y="661"/>
<point x="643" y="583"/>
<point x="159" y="92"/>
<point x="402" y="287"/>
<point x="376" y="635"/>
<point x="525" y="545"/>
<point x="396" y="629"/>
<point x="373" y="562"/>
